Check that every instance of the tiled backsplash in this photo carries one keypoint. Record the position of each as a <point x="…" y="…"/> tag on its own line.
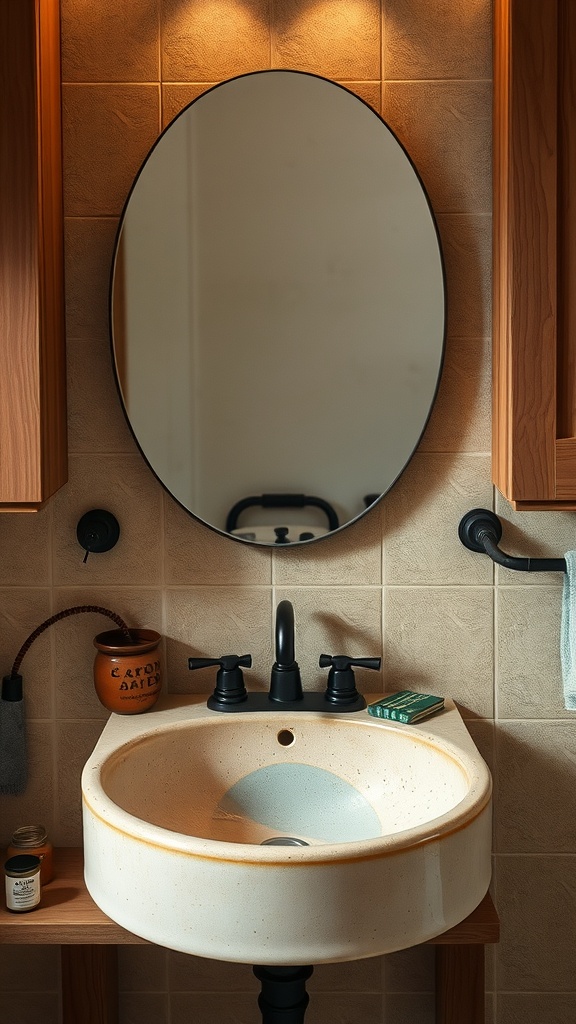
<point x="398" y="581"/>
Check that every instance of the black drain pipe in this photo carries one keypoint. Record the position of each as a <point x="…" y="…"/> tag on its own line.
<point x="283" y="999"/>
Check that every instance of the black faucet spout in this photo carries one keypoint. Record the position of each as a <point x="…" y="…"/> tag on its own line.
<point x="285" y="634"/>
<point x="285" y="681"/>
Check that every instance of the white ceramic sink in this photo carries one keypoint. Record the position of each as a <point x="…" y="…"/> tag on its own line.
<point x="176" y="803"/>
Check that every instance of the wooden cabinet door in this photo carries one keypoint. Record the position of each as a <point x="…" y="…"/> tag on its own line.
<point x="534" y="406"/>
<point x="33" y="460"/>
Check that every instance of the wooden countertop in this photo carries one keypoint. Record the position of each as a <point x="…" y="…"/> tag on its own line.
<point x="68" y="915"/>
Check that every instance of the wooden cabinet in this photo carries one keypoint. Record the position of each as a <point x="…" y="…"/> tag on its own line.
<point x="33" y="460"/>
<point x="534" y="411"/>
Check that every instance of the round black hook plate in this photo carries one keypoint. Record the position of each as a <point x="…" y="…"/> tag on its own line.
<point x="475" y="521"/>
<point x="97" y="530"/>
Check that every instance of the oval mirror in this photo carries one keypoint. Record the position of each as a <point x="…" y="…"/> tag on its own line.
<point x="277" y="307"/>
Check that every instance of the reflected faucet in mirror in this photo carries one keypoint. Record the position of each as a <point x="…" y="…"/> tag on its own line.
<point x="286" y="691"/>
<point x="280" y="534"/>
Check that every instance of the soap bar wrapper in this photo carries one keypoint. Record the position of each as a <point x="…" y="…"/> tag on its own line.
<point x="406" y="706"/>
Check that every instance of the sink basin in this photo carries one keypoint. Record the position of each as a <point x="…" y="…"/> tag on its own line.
<point x="178" y="802"/>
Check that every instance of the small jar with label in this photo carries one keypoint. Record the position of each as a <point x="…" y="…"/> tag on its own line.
<point x="33" y="839"/>
<point x="23" y="888"/>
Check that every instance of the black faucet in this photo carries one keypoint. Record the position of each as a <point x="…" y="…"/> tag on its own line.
<point x="285" y="681"/>
<point x="286" y="690"/>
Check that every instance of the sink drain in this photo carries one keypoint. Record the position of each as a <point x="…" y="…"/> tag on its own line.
<point x="284" y="841"/>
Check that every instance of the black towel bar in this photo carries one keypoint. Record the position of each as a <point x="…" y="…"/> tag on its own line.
<point x="481" y="530"/>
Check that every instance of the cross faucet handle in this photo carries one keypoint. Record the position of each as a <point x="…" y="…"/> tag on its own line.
<point x="341" y="686"/>
<point x="230" y="687"/>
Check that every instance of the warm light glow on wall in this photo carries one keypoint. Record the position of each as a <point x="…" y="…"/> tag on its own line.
<point x="225" y="19"/>
<point x="341" y="19"/>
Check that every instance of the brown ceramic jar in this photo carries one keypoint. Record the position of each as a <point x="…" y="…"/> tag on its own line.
<point x="128" y="676"/>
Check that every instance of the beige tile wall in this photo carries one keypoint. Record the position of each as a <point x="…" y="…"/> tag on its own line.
<point x="399" y="580"/>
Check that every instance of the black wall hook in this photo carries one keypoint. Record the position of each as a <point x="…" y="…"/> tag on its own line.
<point x="97" y="530"/>
<point x="481" y="530"/>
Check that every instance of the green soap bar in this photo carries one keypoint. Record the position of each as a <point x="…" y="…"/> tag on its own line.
<point x="406" y="706"/>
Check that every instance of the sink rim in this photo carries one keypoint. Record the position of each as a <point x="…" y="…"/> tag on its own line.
<point x="113" y="816"/>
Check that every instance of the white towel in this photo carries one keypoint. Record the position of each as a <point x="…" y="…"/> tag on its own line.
<point x="568" y="632"/>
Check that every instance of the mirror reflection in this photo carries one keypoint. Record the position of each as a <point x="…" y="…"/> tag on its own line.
<point x="278" y="307"/>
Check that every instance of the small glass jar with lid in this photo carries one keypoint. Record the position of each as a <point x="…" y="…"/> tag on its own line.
<point x="33" y="840"/>
<point x="23" y="886"/>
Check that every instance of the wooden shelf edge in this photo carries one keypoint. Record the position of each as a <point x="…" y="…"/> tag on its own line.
<point x="481" y="927"/>
<point x="68" y="915"/>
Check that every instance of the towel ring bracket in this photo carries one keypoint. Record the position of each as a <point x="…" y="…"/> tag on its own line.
<point x="481" y="530"/>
